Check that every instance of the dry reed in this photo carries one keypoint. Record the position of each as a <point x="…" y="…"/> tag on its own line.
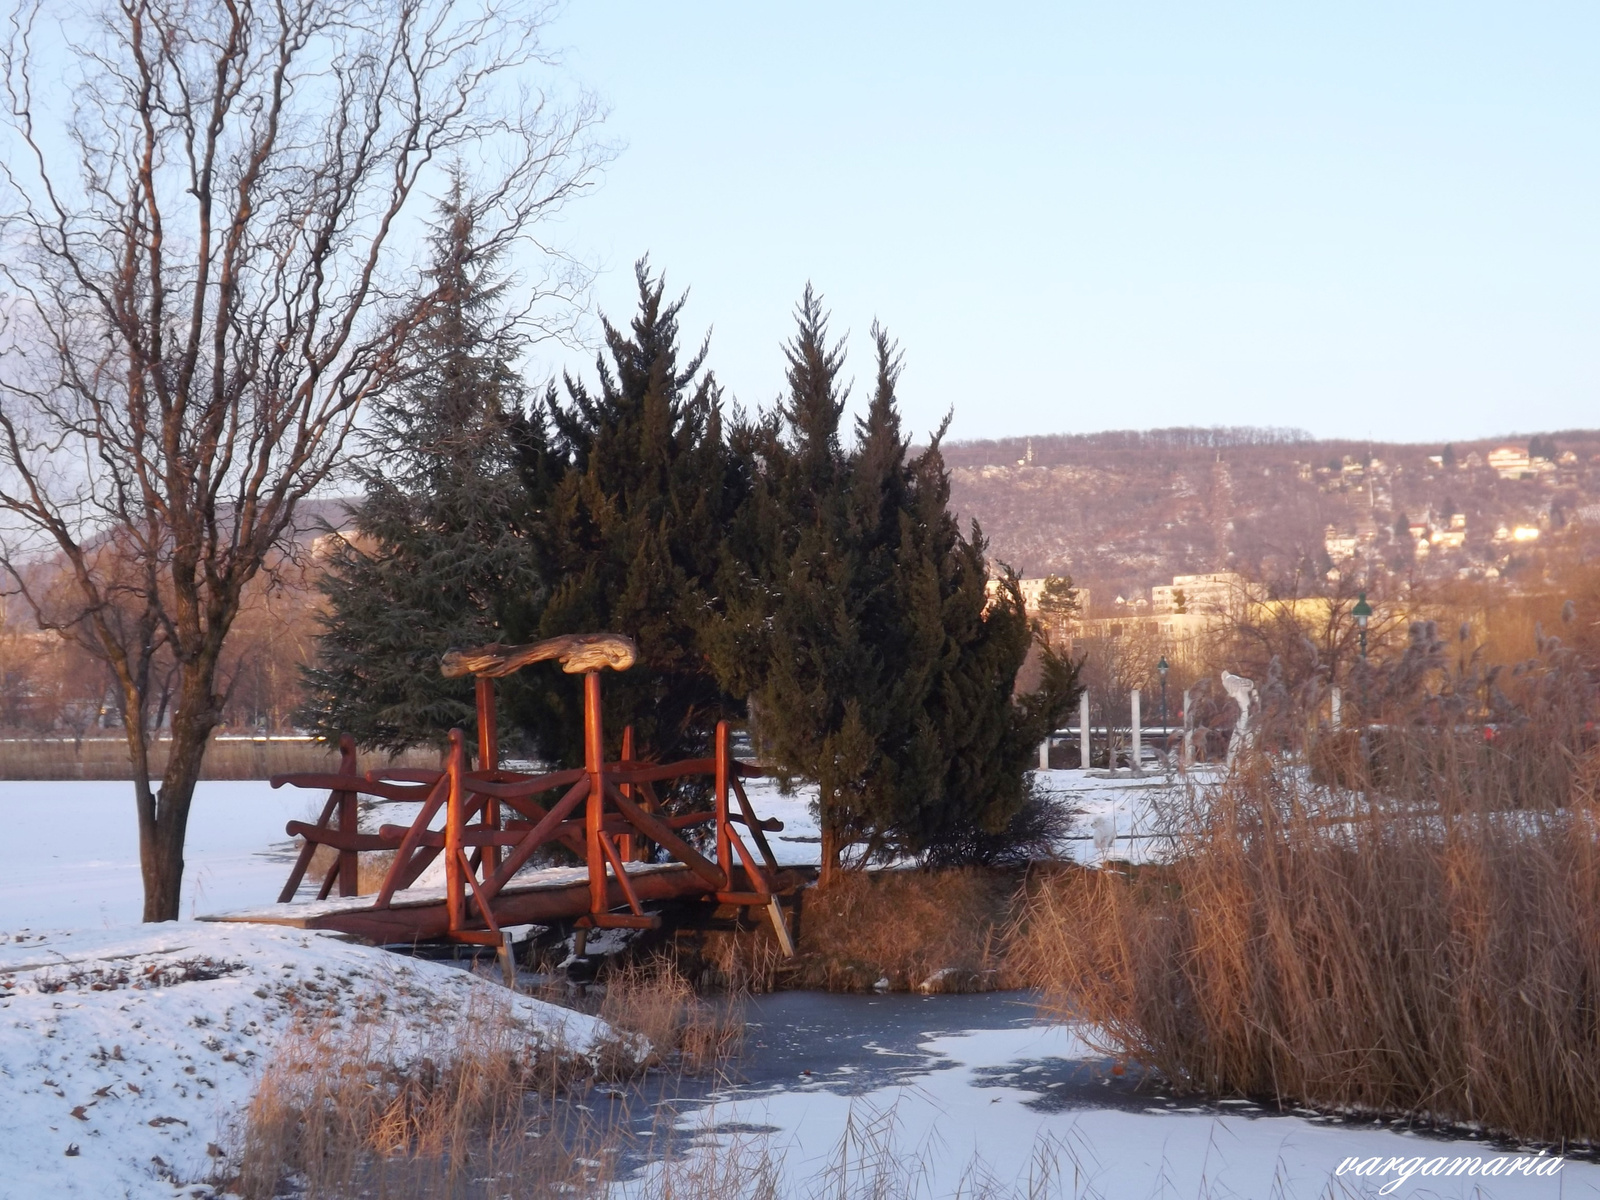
<point x="933" y="929"/>
<point x="685" y="1031"/>
<point x="226" y="758"/>
<point x="336" y="1110"/>
<point x="1432" y="954"/>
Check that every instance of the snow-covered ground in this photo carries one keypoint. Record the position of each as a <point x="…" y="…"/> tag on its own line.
<point x="127" y="1054"/>
<point x="127" y="1051"/>
<point x="983" y="1115"/>
<point x="1125" y="817"/>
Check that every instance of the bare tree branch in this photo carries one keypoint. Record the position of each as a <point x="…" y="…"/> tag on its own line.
<point x="205" y="275"/>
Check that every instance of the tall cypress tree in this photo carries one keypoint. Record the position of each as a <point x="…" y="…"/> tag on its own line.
<point x="875" y="659"/>
<point x="439" y="556"/>
<point x="644" y="492"/>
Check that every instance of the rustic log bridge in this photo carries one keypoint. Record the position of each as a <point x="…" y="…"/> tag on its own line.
<point x="496" y="821"/>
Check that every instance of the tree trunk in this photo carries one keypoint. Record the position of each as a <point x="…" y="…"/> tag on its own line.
<point x="830" y="856"/>
<point x="164" y="816"/>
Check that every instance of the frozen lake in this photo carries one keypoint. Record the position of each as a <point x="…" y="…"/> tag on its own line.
<point x="954" y="1090"/>
<point x="952" y="1095"/>
<point x="71" y="859"/>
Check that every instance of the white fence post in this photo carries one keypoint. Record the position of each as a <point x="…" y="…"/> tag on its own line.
<point x="1083" y="729"/>
<point x="1188" y="727"/>
<point x="1133" y="762"/>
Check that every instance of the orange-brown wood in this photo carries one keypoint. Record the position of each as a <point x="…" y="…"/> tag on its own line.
<point x="298" y="871"/>
<point x="454" y="860"/>
<point x="676" y="846"/>
<point x="625" y="845"/>
<point x="758" y="828"/>
<point x="349" y="817"/>
<point x="401" y="873"/>
<point x="494" y="826"/>
<point x="594" y="762"/>
<point x="621" y="875"/>
<point x="539" y="835"/>
<point x="488" y="761"/>
<point x="724" y="852"/>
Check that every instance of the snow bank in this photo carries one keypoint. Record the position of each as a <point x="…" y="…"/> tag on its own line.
<point x="127" y="1055"/>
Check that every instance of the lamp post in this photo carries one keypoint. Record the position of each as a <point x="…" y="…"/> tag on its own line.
<point x="1362" y="612"/>
<point x="1161" y="669"/>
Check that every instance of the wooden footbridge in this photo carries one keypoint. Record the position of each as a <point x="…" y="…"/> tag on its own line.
<point x="609" y="814"/>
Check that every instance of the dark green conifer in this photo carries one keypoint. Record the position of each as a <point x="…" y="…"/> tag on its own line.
<point x="876" y="662"/>
<point x="644" y="494"/>
<point x="436" y="555"/>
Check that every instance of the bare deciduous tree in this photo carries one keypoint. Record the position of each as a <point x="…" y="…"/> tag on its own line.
<point x="207" y="272"/>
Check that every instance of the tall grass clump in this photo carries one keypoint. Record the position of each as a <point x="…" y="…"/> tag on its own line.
<point x="338" y="1113"/>
<point x="1427" y="943"/>
<point x="683" y="1030"/>
<point x="936" y="929"/>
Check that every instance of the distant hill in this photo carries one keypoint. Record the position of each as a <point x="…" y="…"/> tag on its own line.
<point x="1123" y="510"/>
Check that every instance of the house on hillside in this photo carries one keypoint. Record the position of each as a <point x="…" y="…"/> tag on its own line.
<point x="1509" y="462"/>
<point x="1340" y="546"/>
<point x="1512" y="462"/>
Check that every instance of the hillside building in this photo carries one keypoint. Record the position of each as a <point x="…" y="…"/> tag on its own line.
<point x="1340" y="546"/>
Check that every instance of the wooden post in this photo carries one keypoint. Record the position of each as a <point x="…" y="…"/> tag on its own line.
<point x="488" y="760"/>
<point x="508" y="960"/>
<point x="594" y="750"/>
<point x="349" y="817"/>
<point x="455" y="885"/>
<point x="724" y="843"/>
<point x="625" y="841"/>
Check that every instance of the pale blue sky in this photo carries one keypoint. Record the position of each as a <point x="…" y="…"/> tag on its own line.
<point x="1363" y="219"/>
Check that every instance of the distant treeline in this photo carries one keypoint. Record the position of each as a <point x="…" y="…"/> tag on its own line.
<point x="1056" y="446"/>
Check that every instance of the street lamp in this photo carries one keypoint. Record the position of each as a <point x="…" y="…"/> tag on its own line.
<point x="1161" y="669"/>
<point x="1362" y="612"/>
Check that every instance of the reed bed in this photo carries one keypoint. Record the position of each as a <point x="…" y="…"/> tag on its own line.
<point x="933" y="929"/>
<point x="226" y="758"/>
<point x="342" y="1114"/>
<point x="1434" y="954"/>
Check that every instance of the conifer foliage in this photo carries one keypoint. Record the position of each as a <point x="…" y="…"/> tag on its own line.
<point x="439" y="555"/>
<point x="876" y="661"/>
<point x="633" y="534"/>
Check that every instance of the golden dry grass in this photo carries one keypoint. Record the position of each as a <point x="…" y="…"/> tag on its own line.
<point x="335" y="1111"/>
<point x="231" y="758"/>
<point x="936" y="927"/>
<point x="1434" y="956"/>
<point x="688" y="1032"/>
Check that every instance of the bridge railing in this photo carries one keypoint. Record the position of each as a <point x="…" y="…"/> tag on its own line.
<point x="607" y="813"/>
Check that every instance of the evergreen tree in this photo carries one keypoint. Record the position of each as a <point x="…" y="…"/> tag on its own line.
<point x="438" y="558"/>
<point x="1058" y="605"/>
<point x="863" y="632"/>
<point x="642" y="491"/>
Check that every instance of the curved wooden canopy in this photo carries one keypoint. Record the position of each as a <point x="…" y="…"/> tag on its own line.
<point x="577" y="653"/>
